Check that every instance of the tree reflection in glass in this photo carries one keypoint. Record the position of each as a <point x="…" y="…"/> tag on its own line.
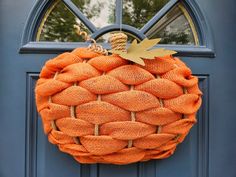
<point x="101" y="13"/>
<point x="59" y="25"/>
<point x="137" y="13"/>
<point x="173" y="27"/>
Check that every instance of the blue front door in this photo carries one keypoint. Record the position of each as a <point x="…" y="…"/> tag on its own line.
<point x="207" y="46"/>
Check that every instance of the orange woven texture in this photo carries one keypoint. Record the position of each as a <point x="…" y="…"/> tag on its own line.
<point x="102" y="109"/>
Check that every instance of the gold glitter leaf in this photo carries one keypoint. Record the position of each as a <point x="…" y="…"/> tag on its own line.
<point x="139" y="51"/>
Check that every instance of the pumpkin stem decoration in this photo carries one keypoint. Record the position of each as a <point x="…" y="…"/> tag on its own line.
<point x="118" y="42"/>
<point x="137" y="51"/>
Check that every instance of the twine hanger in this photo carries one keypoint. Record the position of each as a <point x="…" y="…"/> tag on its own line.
<point x="117" y="40"/>
<point x="93" y="46"/>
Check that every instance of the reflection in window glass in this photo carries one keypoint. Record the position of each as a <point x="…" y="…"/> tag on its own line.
<point x="173" y="28"/>
<point x="137" y="13"/>
<point x="58" y="25"/>
<point x="101" y="13"/>
<point x="105" y="37"/>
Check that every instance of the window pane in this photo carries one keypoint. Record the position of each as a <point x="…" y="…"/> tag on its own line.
<point x="137" y="13"/>
<point x="101" y="13"/>
<point x="58" y="25"/>
<point x="105" y="37"/>
<point x="174" y="28"/>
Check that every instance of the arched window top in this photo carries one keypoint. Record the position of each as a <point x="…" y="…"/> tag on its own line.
<point x="175" y="27"/>
<point x="171" y="20"/>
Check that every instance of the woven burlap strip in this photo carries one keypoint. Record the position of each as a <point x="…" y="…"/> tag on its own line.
<point x="118" y="42"/>
<point x="72" y="112"/>
<point x="133" y="147"/>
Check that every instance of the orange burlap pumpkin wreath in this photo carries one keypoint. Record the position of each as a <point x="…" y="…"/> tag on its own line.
<point x="105" y="109"/>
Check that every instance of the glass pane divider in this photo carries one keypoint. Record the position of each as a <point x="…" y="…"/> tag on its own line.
<point x="80" y="15"/>
<point x="116" y="27"/>
<point x="158" y="16"/>
<point x="118" y="11"/>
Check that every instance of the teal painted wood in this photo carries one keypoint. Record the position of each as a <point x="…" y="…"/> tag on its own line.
<point x="209" y="149"/>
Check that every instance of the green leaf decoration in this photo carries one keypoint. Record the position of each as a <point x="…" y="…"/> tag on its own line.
<point x="139" y="51"/>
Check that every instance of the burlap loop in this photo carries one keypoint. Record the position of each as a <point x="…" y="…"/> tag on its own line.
<point x="103" y="109"/>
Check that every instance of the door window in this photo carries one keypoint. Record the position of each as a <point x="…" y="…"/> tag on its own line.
<point x="175" y="26"/>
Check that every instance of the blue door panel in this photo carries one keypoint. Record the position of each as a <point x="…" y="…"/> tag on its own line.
<point x="208" y="151"/>
<point x="190" y="157"/>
